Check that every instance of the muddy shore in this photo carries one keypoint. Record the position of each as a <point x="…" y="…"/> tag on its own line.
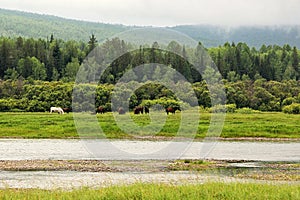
<point x="286" y="171"/>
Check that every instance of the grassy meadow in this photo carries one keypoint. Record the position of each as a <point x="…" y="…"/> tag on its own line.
<point x="236" y="125"/>
<point x="163" y="191"/>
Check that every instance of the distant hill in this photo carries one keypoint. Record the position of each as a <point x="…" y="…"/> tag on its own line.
<point x="252" y="35"/>
<point x="17" y="23"/>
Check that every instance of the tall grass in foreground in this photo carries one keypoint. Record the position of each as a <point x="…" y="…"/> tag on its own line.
<point x="161" y="191"/>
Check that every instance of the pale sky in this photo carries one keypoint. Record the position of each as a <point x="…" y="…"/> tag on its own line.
<point x="167" y="12"/>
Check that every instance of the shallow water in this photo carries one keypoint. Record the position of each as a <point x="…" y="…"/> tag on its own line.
<point x="27" y="149"/>
<point x="71" y="179"/>
<point x="30" y="149"/>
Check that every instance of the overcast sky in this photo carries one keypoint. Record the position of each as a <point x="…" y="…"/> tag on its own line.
<point x="167" y="12"/>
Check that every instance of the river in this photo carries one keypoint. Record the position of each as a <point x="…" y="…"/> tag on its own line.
<point x="73" y="149"/>
<point x="30" y="149"/>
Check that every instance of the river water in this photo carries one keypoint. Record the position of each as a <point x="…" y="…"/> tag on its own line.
<point x="71" y="179"/>
<point x="30" y="149"/>
<point x="27" y="149"/>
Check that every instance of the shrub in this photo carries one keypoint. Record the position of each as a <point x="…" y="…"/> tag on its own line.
<point x="288" y="101"/>
<point x="247" y="111"/>
<point x="218" y="109"/>
<point x="231" y="108"/>
<point x="165" y="103"/>
<point x="292" y="109"/>
<point x="223" y="108"/>
<point x="7" y="104"/>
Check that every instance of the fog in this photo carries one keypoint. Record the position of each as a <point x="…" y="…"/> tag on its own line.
<point x="167" y="12"/>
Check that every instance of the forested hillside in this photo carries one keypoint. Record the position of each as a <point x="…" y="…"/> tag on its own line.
<point x="16" y="23"/>
<point x="29" y="25"/>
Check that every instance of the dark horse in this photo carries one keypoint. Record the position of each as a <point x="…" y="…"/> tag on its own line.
<point x="100" y="110"/>
<point x="172" y="109"/>
<point x="138" y="110"/>
<point x="146" y="110"/>
<point x="67" y="110"/>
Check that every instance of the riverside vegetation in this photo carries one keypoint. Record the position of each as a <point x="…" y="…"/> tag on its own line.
<point x="163" y="191"/>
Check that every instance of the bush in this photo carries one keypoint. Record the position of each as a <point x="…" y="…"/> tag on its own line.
<point x="223" y="108"/>
<point x="231" y="108"/>
<point x="292" y="109"/>
<point x="7" y="104"/>
<point x="17" y="110"/>
<point x="288" y="101"/>
<point x="165" y="103"/>
<point x="218" y="109"/>
<point x="247" y="111"/>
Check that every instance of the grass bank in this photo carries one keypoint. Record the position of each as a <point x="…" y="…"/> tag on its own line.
<point x="236" y="125"/>
<point x="162" y="191"/>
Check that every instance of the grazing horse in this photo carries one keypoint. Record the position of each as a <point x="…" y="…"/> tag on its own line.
<point x="59" y="110"/>
<point x="67" y="110"/>
<point x="100" y="110"/>
<point x="138" y="110"/>
<point x="121" y="111"/>
<point x="172" y="110"/>
<point x="146" y="110"/>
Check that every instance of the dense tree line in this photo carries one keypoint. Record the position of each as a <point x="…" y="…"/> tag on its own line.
<point x="40" y="59"/>
<point x="237" y="62"/>
<point x="25" y="95"/>
<point x="53" y="59"/>
<point x="38" y="74"/>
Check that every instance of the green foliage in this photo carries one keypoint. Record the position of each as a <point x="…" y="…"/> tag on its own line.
<point x="165" y="103"/>
<point x="246" y="111"/>
<point x="230" y="108"/>
<point x="289" y="101"/>
<point x="218" y="109"/>
<point x="256" y="78"/>
<point x="294" y="108"/>
<point x="33" y="95"/>
<point x="60" y="60"/>
<point x="71" y="70"/>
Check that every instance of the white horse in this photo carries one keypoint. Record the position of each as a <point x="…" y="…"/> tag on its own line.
<point x="59" y="110"/>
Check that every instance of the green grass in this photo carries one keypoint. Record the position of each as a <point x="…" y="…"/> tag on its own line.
<point x="236" y="125"/>
<point x="163" y="191"/>
<point x="265" y="124"/>
<point x="37" y="125"/>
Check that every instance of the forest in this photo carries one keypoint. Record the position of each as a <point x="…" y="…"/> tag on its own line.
<point x="38" y="73"/>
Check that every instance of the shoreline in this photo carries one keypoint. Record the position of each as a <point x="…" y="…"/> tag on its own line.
<point x="236" y="169"/>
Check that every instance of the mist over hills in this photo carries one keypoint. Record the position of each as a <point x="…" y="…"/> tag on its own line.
<point x="17" y="23"/>
<point x="252" y="35"/>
